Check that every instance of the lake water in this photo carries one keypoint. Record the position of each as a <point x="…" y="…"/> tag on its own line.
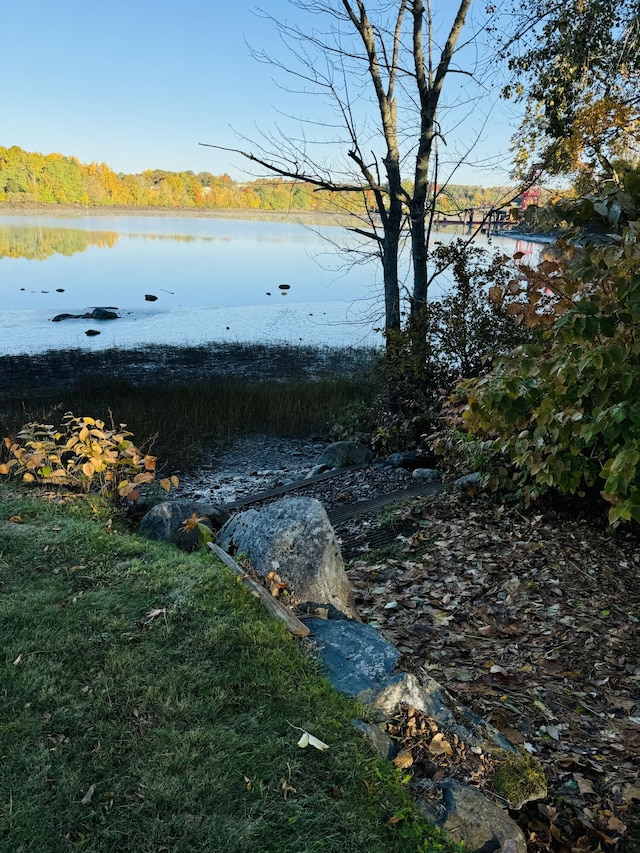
<point x="214" y="280"/>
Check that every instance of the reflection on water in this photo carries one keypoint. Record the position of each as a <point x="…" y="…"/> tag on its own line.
<point x="39" y="242"/>
<point x="186" y="280"/>
<point x="180" y="238"/>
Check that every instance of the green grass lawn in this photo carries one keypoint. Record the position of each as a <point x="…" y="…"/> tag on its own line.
<point x="147" y="703"/>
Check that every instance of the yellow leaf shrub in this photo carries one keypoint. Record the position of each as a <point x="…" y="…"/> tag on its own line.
<point x="83" y="454"/>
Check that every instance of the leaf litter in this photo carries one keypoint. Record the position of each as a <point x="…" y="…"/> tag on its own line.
<point x="532" y="621"/>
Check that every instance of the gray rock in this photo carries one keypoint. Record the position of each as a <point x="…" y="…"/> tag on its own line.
<point x="343" y="454"/>
<point x="95" y="314"/>
<point x="102" y="314"/>
<point x="165" y="520"/>
<point x="356" y="657"/>
<point x="411" y="459"/>
<point x="317" y="469"/>
<point x="427" y="475"/>
<point x="294" y="537"/>
<point x="467" y="815"/>
<point x="427" y="695"/>
<point x="469" y="481"/>
<point x="381" y="741"/>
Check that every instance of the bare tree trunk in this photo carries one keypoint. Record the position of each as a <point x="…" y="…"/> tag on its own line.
<point x="429" y="91"/>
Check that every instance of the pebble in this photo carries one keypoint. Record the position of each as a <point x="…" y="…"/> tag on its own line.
<point x="262" y="463"/>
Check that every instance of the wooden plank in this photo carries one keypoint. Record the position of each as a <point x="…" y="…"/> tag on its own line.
<point x="275" y="608"/>
<point x="292" y="487"/>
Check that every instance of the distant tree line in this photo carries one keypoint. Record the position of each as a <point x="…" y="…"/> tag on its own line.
<point x="58" y="179"/>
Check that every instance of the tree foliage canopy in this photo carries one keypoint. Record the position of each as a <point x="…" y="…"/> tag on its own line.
<point x="577" y="66"/>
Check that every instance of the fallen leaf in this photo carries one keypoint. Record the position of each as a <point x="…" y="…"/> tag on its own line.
<point x="275" y="584"/>
<point x="153" y="614"/>
<point x="309" y="740"/>
<point x="88" y="796"/>
<point x="630" y="792"/>
<point x="403" y="759"/>
<point x="616" y="825"/>
<point x="440" y="746"/>
<point x="584" y="785"/>
<point x="287" y="789"/>
<point x="192" y="522"/>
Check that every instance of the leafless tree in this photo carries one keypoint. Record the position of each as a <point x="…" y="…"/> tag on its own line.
<point x="382" y="68"/>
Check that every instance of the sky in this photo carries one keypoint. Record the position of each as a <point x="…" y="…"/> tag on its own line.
<point x="139" y="84"/>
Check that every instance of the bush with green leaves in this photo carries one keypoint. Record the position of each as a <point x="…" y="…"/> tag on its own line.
<point x="83" y="454"/>
<point x="454" y="337"/>
<point x="565" y="413"/>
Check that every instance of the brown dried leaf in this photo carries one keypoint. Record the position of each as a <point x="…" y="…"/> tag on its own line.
<point x="403" y="759"/>
<point x="440" y="746"/>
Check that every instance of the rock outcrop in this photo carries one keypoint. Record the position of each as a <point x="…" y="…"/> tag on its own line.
<point x="294" y="538"/>
<point x="166" y="522"/>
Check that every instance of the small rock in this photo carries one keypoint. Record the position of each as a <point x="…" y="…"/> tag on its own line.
<point x="91" y="333"/>
<point x="102" y="314"/>
<point x="427" y="475"/>
<point x="165" y="520"/>
<point x="468" y="481"/>
<point x="343" y="454"/>
<point x="381" y="741"/>
<point x="427" y="695"/>
<point x="294" y="537"/>
<point x="149" y="297"/>
<point x="317" y="470"/>
<point x="411" y="459"/>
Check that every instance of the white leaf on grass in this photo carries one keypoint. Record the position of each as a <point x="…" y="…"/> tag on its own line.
<point x="309" y="740"/>
<point x="152" y="614"/>
<point x="88" y="796"/>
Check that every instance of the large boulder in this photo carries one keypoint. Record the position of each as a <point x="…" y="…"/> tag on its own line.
<point x="294" y="538"/>
<point x="356" y="657"/>
<point x="344" y="454"/>
<point x="166" y="522"/>
<point x="468" y="816"/>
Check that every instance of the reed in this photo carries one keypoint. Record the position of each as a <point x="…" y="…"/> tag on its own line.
<point x="190" y="399"/>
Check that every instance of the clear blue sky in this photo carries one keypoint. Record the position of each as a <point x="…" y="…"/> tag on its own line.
<point x="138" y="84"/>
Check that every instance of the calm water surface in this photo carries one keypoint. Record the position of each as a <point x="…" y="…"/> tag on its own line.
<point x="214" y="279"/>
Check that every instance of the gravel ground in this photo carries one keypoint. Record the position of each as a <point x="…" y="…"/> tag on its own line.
<point x="260" y="463"/>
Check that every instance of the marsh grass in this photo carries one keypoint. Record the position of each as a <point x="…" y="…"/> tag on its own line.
<point x="194" y="398"/>
<point x="147" y="704"/>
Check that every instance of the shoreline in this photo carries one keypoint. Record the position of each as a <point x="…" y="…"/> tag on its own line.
<point x="175" y="363"/>
<point x="304" y="217"/>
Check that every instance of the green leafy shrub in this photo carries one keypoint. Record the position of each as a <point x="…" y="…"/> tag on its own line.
<point x="82" y="454"/>
<point x="454" y="337"/>
<point x="565" y="413"/>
